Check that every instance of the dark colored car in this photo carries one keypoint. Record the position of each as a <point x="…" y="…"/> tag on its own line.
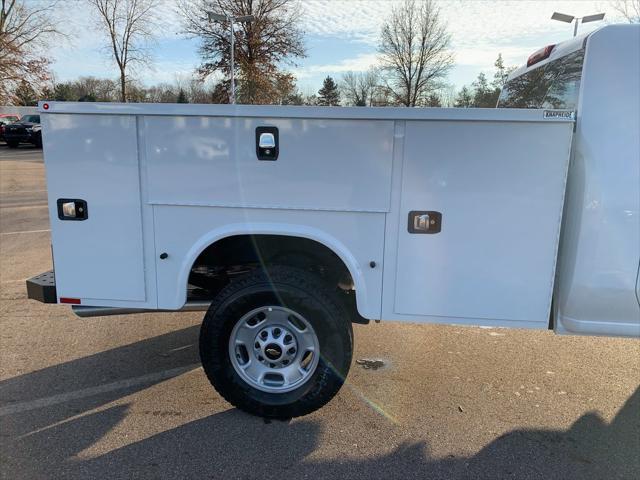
<point x="26" y="130"/>
<point x="6" y="118"/>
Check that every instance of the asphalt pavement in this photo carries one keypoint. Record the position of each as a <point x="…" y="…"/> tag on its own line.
<point x="125" y="397"/>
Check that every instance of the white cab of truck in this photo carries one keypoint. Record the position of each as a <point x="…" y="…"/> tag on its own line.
<point x="287" y="224"/>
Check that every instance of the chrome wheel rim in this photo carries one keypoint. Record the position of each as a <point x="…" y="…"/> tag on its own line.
<point x="274" y="349"/>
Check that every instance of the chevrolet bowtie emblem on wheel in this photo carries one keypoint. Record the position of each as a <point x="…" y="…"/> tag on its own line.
<point x="273" y="352"/>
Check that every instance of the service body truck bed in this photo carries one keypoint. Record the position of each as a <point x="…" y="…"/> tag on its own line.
<point x="276" y="218"/>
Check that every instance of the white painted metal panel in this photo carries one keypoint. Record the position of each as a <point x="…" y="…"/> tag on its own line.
<point x="598" y="270"/>
<point x="331" y="184"/>
<point x="322" y="165"/>
<point x="94" y="158"/>
<point x="499" y="187"/>
<point x="289" y="112"/>
<point x="183" y="232"/>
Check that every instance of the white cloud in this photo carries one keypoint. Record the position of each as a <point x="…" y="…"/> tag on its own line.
<point x="165" y="71"/>
<point x="354" y="19"/>
<point x="485" y="55"/>
<point x="468" y="21"/>
<point x="360" y="63"/>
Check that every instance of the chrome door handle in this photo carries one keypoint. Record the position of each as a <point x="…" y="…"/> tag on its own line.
<point x="421" y="222"/>
<point x="424" y="222"/>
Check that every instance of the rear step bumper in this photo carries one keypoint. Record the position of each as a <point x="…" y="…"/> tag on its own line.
<point x="43" y="288"/>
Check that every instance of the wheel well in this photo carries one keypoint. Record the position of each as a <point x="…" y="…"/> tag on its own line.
<point x="237" y="255"/>
<point x="240" y="253"/>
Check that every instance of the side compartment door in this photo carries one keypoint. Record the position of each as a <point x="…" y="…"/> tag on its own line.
<point x="493" y="194"/>
<point x="94" y="158"/>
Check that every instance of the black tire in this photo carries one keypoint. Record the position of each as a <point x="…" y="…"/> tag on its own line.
<point x="301" y="292"/>
<point x="12" y="144"/>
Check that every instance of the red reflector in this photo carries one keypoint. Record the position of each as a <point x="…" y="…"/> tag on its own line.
<point x="539" y="55"/>
<point x="72" y="301"/>
<point x="45" y="106"/>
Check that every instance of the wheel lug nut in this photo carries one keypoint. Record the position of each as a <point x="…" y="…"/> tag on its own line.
<point x="264" y="335"/>
<point x="287" y="338"/>
<point x="276" y="332"/>
<point x="257" y="345"/>
<point x="292" y="351"/>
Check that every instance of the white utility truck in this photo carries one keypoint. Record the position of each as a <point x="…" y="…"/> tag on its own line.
<point x="287" y="224"/>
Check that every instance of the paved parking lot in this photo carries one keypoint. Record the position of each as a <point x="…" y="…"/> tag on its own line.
<point x="124" y="397"/>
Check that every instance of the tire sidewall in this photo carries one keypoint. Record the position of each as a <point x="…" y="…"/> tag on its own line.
<point x="334" y="337"/>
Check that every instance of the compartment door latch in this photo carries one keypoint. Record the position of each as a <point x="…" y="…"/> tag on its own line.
<point x="72" y="209"/>
<point x="267" y="140"/>
<point x="421" y="221"/>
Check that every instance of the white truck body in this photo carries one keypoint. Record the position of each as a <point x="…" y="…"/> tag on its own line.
<point x="175" y="179"/>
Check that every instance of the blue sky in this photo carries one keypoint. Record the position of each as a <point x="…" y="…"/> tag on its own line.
<point x="341" y="35"/>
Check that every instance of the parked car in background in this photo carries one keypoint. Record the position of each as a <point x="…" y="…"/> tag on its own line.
<point x="6" y="118"/>
<point x="26" y="130"/>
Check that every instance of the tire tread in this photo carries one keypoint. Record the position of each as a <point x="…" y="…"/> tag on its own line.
<point x="305" y="287"/>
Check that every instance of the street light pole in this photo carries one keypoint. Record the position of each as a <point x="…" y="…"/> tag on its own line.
<point x="232" y="99"/>
<point x="232" y="20"/>
<point x="561" y="17"/>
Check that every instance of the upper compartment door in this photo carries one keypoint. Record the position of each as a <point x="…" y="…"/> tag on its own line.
<point x="499" y="188"/>
<point x="322" y="164"/>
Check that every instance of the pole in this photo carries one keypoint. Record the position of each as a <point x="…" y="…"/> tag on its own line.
<point x="575" y="28"/>
<point x="233" y="81"/>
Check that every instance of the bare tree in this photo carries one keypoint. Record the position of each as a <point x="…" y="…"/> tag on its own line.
<point x="161" y="93"/>
<point x="434" y="100"/>
<point x="25" y="32"/>
<point x="628" y="9"/>
<point x="129" y="27"/>
<point x="261" y="46"/>
<point x="359" y="89"/>
<point x="414" y="49"/>
<point x="448" y="95"/>
<point x="196" y="91"/>
<point x="96" y="89"/>
<point x="84" y="89"/>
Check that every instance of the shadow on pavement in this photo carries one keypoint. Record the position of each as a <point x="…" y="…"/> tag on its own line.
<point x="43" y="443"/>
<point x="151" y="361"/>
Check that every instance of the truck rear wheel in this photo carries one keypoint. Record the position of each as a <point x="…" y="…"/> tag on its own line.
<point x="278" y="343"/>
